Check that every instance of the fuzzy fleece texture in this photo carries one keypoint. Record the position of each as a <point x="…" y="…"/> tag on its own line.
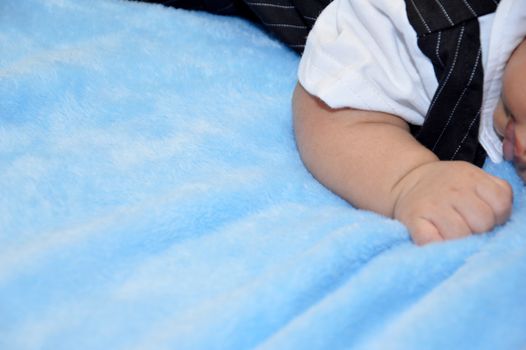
<point x="152" y="197"/>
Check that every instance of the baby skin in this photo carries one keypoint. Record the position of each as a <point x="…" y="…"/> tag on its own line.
<point x="371" y="160"/>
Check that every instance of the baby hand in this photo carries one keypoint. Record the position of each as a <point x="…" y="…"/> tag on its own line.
<point x="451" y="199"/>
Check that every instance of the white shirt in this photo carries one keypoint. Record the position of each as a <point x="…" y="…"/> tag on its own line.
<point x="364" y="54"/>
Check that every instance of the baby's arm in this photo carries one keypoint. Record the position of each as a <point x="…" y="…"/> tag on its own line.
<point x="371" y="160"/>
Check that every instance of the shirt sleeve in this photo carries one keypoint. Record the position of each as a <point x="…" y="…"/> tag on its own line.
<point x="363" y="54"/>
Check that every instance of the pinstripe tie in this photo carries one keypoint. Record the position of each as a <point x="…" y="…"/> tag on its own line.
<point x="289" y="20"/>
<point x="448" y="34"/>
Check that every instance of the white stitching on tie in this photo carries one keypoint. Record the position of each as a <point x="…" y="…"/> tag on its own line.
<point x="451" y="70"/>
<point x="465" y="136"/>
<point x="265" y="4"/>
<point x="284" y="25"/>
<point x="421" y="17"/>
<point x="470" y="8"/>
<point x="438" y="48"/>
<point x="445" y="12"/>
<point x="475" y="66"/>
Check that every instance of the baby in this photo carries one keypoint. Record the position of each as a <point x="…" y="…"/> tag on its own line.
<point x="363" y="80"/>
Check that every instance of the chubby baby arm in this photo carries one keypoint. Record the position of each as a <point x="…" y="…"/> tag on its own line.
<point x="371" y="160"/>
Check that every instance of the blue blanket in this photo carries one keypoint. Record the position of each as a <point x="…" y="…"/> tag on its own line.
<point x="152" y="197"/>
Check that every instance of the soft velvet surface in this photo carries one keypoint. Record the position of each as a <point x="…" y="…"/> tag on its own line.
<point x="151" y="197"/>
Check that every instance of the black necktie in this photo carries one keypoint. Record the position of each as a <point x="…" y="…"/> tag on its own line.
<point x="449" y="35"/>
<point x="289" y="20"/>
